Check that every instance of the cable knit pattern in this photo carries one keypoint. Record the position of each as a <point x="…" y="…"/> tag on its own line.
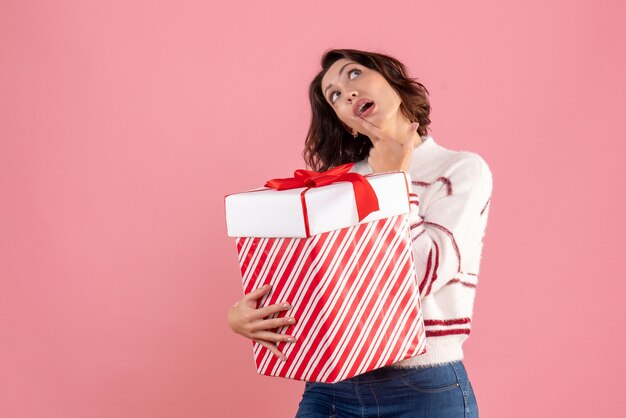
<point x="450" y="198"/>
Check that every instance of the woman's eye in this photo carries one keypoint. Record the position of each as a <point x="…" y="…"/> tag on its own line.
<point x="349" y="72"/>
<point x="354" y="69"/>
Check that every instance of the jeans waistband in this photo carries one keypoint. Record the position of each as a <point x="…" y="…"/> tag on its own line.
<point x="386" y="373"/>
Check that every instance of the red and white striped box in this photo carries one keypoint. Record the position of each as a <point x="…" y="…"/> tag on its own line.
<point x="353" y="288"/>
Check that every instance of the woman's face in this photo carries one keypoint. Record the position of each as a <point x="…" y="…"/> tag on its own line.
<point x="347" y="82"/>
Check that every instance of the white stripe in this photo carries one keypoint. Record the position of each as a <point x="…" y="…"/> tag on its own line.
<point x="244" y="250"/>
<point x="417" y="327"/>
<point x="414" y="329"/>
<point x="255" y="259"/>
<point x="381" y="332"/>
<point x="293" y="245"/>
<point x="292" y="280"/>
<point x="345" y="305"/>
<point x="324" y="283"/>
<point x="277" y="272"/>
<point x="304" y="283"/>
<point x="348" y="303"/>
<point x="269" y="260"/>
<point x="397" y="319"/>
<point x="313" y="268"/>
<point x="382" y="295"/>
<point x="309" y="246"/>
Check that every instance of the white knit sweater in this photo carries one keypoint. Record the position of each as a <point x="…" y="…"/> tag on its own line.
<point x="449" y="210"/>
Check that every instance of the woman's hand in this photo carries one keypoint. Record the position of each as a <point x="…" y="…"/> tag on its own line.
<point x="245" y="319"/>
<point x="388" y="153"/>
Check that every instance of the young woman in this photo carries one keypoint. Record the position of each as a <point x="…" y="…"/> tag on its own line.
<point x="367" y="110"/>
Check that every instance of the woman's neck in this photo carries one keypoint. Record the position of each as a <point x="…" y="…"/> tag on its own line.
<point x="399" y="130"/>
<point x="418" y="141"/>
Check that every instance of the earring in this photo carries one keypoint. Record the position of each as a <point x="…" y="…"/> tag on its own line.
<point x="355" y="134"/>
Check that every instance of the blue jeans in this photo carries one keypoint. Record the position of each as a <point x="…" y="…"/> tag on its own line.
<point x="432" y="392"/>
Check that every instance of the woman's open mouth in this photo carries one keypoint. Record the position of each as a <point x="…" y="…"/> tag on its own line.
<point x="364" y="107"/>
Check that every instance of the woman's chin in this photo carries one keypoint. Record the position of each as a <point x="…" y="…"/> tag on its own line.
<point x="380" y="121"/>
<point x="375" y="118"/>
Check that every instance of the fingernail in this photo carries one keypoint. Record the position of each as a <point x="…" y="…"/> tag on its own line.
<point x="285" y="305"/>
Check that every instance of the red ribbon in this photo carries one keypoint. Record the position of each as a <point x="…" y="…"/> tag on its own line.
<point x="365" y="196"/>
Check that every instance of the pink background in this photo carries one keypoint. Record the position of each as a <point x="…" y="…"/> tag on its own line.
<point x="124" y="124"/>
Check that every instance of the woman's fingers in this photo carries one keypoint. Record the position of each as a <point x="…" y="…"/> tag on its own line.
<point x="372" y="131"/>
<point x="271" y="323"/>
<point x="273" y="336"/>
<point x="256" y="293"/>
<point x="272" y="347"/>
<point x="395" y="153"/>
<point x="411" y="133"/>
<point x="269" y="310"/>
<point x="376" y="134"/>
<point x="266" y="310"/>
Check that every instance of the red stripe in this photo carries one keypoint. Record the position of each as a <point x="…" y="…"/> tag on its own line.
<point x="444" y="180"/>
<point x="255" y="247"/>
<point x="305" y="212"/>
<point x="448" y="184"/>
<point x="430" y="286"/>
<point x="485" y="207"/>
<point x="466" y="284"/>
<point x="313" y="259"/>
<point x="390" y="326"/>
<point x="451" y="236"/>
<point x="404" y="257"/>
<point x="319" y="336"/>
<point x="418" y="235"/>
<point x="358" y="290"/>
<point x="349" y="341"/>
<point x="416" y="225"/>
<point x="427" y="274"/>
<point x="452" y="321"/>
<point x="293" y="262"/>
<point x="443" y="333"/>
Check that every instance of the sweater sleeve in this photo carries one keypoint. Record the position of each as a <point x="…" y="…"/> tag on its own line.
<point x="448" y="227"/>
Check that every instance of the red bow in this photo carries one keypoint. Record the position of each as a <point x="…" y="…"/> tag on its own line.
<point x="365" y="196"/>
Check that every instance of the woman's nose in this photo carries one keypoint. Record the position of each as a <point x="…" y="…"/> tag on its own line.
<point x="353" y="95"/>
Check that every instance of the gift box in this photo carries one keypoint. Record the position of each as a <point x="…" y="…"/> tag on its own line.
<point x="337" y="246"/>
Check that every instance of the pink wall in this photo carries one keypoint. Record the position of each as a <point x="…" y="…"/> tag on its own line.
<point x="122" y="126"/>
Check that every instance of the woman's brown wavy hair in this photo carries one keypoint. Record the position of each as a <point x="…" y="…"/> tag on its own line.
<point x="328" y="142"/>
